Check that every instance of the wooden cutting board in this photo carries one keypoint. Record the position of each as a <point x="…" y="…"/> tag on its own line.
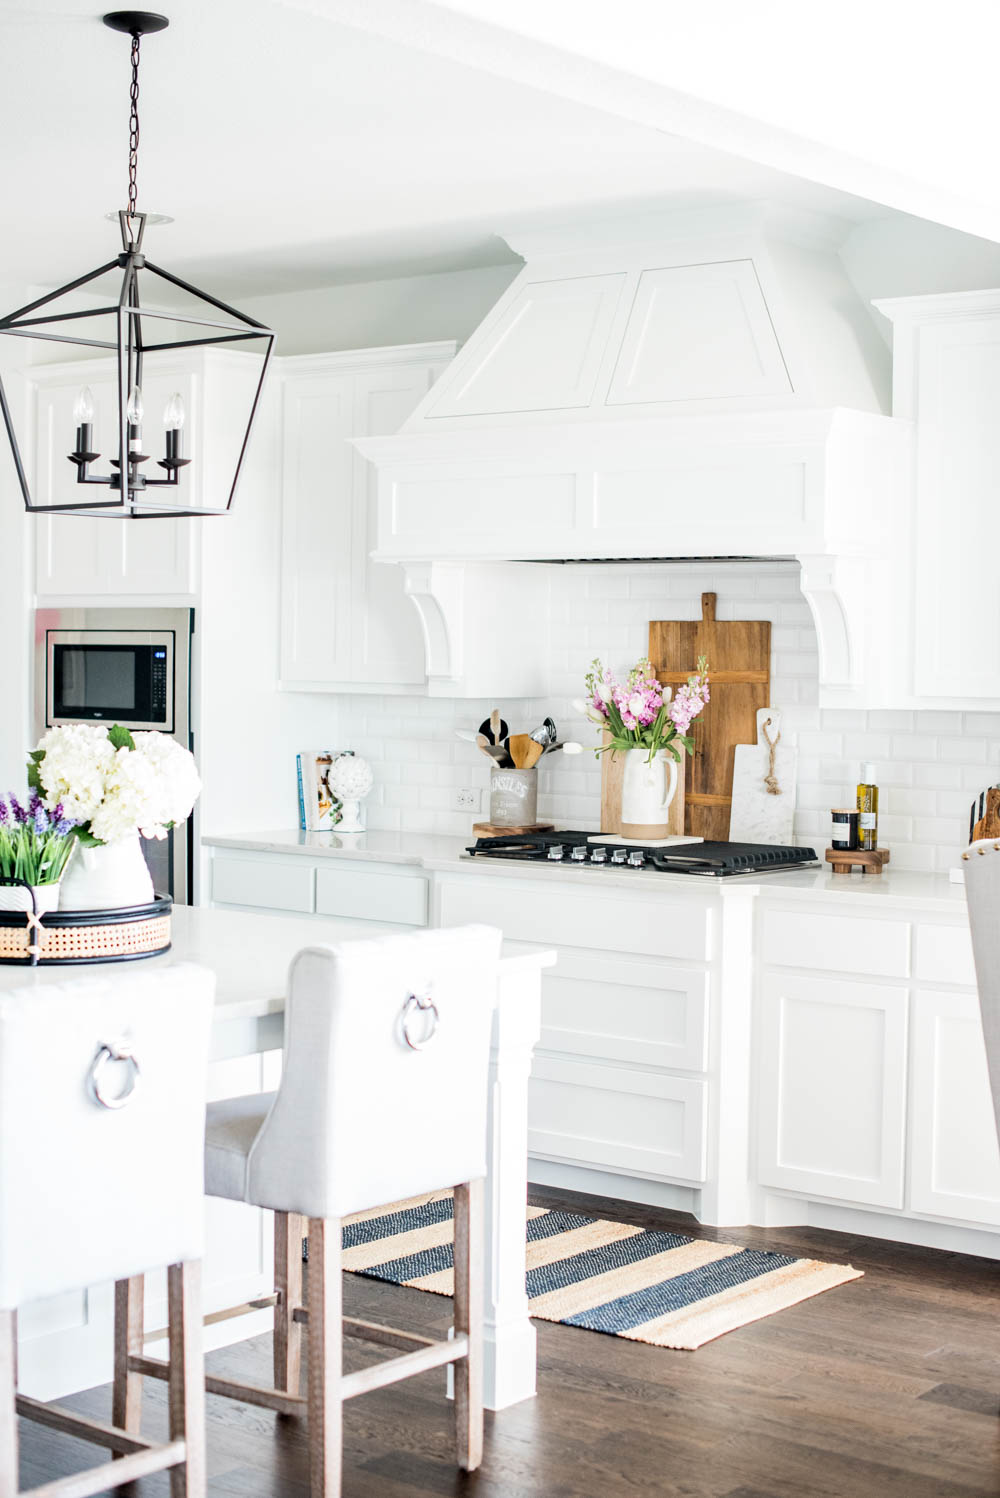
<point x="739" y="670"/>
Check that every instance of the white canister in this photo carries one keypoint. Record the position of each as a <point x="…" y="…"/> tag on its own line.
<point x="514" y="798"/>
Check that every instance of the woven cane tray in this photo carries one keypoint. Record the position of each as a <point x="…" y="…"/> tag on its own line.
<point x="69" y="936"/>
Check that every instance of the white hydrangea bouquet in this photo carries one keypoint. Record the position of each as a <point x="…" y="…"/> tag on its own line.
<point x="113" y="783"/>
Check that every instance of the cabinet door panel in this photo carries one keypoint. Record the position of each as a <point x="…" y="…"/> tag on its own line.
<point x="386" y="646"/>
<point x="317" y="536"/>
<point x="954" y="1156"/>
<point x="957" y="620"/>
<point x="832" y="1088"/>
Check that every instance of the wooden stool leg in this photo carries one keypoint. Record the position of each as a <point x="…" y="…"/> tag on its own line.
<point x="326" y="1436"/>
<point x="126" y="1397"/>
<point x="8" y="1415"/>
<point x="186" y="1380"/>
<point x="289" y="1231"/>
<point x="469" y="1310"/>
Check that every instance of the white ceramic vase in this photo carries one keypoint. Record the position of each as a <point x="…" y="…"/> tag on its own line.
<point x="648" y="788"/>
<point x="16" y="897"/>
<point x="108" y="877"/>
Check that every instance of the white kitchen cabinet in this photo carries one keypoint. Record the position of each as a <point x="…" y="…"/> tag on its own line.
<point x="640" y="1123"/>
<point x="946" y="377"/>
<point x="390" y="898"/>
<point x="954" y="1156"/>
<point x="80" y="556"/>
<point x="831" y="1080"/>
<point x="346" y="622"/>
<point x="625" y="1021"/>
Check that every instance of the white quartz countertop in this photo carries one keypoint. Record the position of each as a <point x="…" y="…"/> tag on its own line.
<point x="434" y="852"/>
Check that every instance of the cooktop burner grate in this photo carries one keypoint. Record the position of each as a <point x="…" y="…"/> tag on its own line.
<point x="588" y="850"/>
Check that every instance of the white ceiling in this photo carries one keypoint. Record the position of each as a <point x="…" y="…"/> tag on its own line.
<point x="295" y="151"/>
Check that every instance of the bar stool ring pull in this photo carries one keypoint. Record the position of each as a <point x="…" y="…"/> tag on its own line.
<point x="112" y="1052"/>
<point x="423" y="1005"/>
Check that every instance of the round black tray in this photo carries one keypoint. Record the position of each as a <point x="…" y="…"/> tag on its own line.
<point x="79" y="920"/>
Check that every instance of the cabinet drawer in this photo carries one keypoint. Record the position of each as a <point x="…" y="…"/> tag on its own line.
<point x="944" y="955"/>
<point x="666" y="926"/>
<point x="648" y="1013"/>
<point x="638" y="1122"/>
<point x="265" y="882"/>
<point x="370" y="896"/>
<point x="844" y="943"/>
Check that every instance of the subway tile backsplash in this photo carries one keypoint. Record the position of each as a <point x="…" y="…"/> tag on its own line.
<point x="930" y="763"/>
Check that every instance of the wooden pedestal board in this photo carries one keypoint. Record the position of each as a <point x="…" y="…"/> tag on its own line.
<point x="739" y="671"/>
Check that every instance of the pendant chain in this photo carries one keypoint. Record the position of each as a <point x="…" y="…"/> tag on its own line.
<point x="133" y="132"/>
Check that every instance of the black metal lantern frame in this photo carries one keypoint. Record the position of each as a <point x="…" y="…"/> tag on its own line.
<point x="138" y="334"/>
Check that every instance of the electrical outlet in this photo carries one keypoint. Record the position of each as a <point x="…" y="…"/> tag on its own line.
<point x="468" y="799"/>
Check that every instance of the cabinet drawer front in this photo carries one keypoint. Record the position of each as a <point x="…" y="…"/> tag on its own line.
<point x="954" y="1155"/>
<point x="664" y="927"/>
<point x="638" y="1122"/>
<point x="373" y="897"/>
<point x="832" y="1088"/>
<point x="643" y="1012"/>
<point x="847" y="944"/>
<point x="944" y="955"/>
<point x="273" y="885"/>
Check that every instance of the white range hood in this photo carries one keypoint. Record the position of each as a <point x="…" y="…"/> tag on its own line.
<point x="665" y="387"/>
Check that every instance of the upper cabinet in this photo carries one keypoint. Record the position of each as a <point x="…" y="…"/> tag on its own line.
<point x="345" y="620"/>
<point x="102" y="557"/>
<point x="947" y="379"/>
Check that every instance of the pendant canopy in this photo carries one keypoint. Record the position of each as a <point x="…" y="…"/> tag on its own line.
<point x="137" y="348"/>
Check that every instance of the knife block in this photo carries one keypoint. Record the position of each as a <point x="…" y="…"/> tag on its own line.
<point x="612" y="774"/>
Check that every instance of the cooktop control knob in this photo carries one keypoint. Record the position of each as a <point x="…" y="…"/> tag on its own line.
<point x="636" y="858"/>
<point x="599" y="855"/>
<point x="556" y="852"/>
<point x="619" y="855"/>
<point x="578" y="854"/>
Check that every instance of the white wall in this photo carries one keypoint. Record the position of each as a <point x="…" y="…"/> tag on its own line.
<point x="373" y="314"/>
<point x="930" y="765"/>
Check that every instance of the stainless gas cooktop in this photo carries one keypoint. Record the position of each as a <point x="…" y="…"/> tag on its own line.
<point x="588" y="850"/>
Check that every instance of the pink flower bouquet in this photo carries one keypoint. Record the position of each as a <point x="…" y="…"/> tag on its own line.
<point x="640" y="714"/>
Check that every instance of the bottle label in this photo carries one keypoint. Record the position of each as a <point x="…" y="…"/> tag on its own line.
<point x="868" y="821"/>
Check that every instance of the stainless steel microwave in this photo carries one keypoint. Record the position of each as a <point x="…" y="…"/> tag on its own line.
<point x="129" y="666"/>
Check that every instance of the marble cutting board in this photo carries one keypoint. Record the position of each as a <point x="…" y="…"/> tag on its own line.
<point x="757" y="816"/>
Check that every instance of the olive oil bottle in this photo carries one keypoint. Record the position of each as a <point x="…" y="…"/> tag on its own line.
<point x="867" y="809"/>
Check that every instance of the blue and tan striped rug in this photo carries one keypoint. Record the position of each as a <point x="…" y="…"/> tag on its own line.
<point x="661" y="1288"/>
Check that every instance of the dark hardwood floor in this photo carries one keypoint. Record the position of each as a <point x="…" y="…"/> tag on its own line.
<point x="885" y="1388"/>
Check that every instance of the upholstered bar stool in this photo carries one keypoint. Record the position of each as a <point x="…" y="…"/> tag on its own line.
<point x="981" y="865"/>
<point x="102" y="1110"/>
<point x="383" y="1097"/>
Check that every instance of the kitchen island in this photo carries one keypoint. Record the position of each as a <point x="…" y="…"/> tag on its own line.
<point x="783" y="1048"/>
<point x="65" y="1345"/>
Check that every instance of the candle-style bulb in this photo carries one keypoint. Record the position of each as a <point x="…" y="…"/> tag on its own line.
<point x="173" y="413"/>
<point x="135" y="409"/>
<point x="83" y="407"/>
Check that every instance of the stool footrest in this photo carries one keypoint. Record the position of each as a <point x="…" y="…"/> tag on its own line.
<point x="262" y="1303"/>
<point x="72" y="1424"/>
<point x="380" y="1374"/>
<point x="373" y="1331"/>
<point x="113" y="1474"/>
<point x="229" y="1388"/>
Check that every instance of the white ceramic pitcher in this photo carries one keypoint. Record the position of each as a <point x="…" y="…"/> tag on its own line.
<point x="648" y="788"/>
